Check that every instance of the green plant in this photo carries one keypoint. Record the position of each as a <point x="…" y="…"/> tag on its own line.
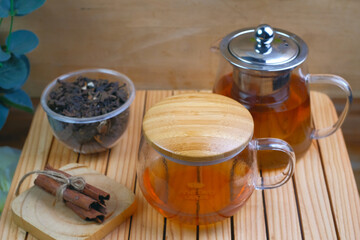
<point x="9" y="160"/>
<point x="14" y="65"/>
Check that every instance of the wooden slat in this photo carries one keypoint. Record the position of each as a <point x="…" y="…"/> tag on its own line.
<point x="316" y="216"/>
<point x="147" y="222"/>
<point x="61" y="155"/>
<point x="281" y="212"/>
<point x="216" y="231"/>
<point x="281" y="208"/>
<point x="178" y="231"/>
<point x="339" y="176"/>
<point x="33" y="156"/>
<point x="96" y="161"/>
<point x="249" y="221"/>
<point x="123" y="157"/>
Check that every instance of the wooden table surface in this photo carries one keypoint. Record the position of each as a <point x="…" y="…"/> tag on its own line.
<point x="321" y="200"/>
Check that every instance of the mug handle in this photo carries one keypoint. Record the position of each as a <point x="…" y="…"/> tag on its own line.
<point x="273" y="144"/>
<point x="329" y="79"/>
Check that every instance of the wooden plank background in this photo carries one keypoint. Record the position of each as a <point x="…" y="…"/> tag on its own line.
<point x="164" y="44"/>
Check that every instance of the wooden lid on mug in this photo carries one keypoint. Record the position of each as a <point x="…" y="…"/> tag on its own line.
<point x="198" y="127"/>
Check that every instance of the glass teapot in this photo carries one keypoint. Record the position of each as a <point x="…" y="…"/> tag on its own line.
<point x="264" y="69"/>
<point x="197" y="160"/>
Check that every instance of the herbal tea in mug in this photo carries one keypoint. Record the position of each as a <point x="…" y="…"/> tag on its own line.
<point x="197" y="160"/>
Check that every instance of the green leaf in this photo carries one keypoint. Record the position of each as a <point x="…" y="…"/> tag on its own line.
<point x="24" y="7"/>
<point x="4" y="56"/>
<point x="3" y="195"/>
<point x="22" y="42"/>
<point x="4" y="112"/>
<point x="3" y="12"/>
<point x="5" y="4"/>
<point x="8" y="163"/>
<point x="4" y="8"/>
<point x="18" y="99"/>
<point x="14" y="72"/>
<point x="27" y="64"/>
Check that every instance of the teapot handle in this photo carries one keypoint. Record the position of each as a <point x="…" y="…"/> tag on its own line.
<point x="328" y="79"/>
<point x="273" y="144"/>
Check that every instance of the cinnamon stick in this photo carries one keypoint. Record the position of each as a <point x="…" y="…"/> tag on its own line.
<point x="89" y="190"/>
<point x="87" y="215"/>
<point x="85" y="202"/>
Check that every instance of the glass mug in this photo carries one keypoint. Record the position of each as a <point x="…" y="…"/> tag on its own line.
<point x="264" y="70"/>
<point x="185" y="186"/>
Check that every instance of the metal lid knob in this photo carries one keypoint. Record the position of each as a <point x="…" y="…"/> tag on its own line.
<point x="264" y="35"/>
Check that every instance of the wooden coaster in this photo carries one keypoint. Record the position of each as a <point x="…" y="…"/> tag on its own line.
<point x="33" y="210"/>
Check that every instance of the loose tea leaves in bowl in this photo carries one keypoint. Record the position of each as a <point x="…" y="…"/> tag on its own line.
<point x="88" y="110"/>
<point x="86" y="97"/>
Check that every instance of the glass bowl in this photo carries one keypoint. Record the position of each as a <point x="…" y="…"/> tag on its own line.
<point x="90" y="134"/>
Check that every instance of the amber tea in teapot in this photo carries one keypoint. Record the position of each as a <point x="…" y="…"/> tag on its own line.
<point x="287" y="118"/>
<point x="264" y="69"/>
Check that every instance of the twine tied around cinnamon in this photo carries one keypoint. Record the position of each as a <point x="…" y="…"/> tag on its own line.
<point x="78" y="183"/>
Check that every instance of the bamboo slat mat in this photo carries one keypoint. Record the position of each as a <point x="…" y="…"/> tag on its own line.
<point x="321" y="201"/>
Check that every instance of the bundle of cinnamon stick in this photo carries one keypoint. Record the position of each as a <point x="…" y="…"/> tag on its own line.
<point x="89" y="203"/>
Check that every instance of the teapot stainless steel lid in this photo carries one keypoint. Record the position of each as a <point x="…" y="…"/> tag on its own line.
<point x="264" y="49"/>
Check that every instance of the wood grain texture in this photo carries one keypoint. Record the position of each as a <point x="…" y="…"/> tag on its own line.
<point x="198" y="127"/>
<point x="96" y="161"/>
<point x="352" y="135"/>
<point x="249" y="221"/>
<point x="338" y="172"/>
<point x="178" y="231"/>
<point x="61" y="155"/>
<point x="34" y="156"/>
<point x="281" y="212"/>
<point x="147" y="222"/>
<point x="216" y="231"/>
<point x="123" y="157"/>
<point x="314" y="206"/>
<point x="162" y="44"/>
